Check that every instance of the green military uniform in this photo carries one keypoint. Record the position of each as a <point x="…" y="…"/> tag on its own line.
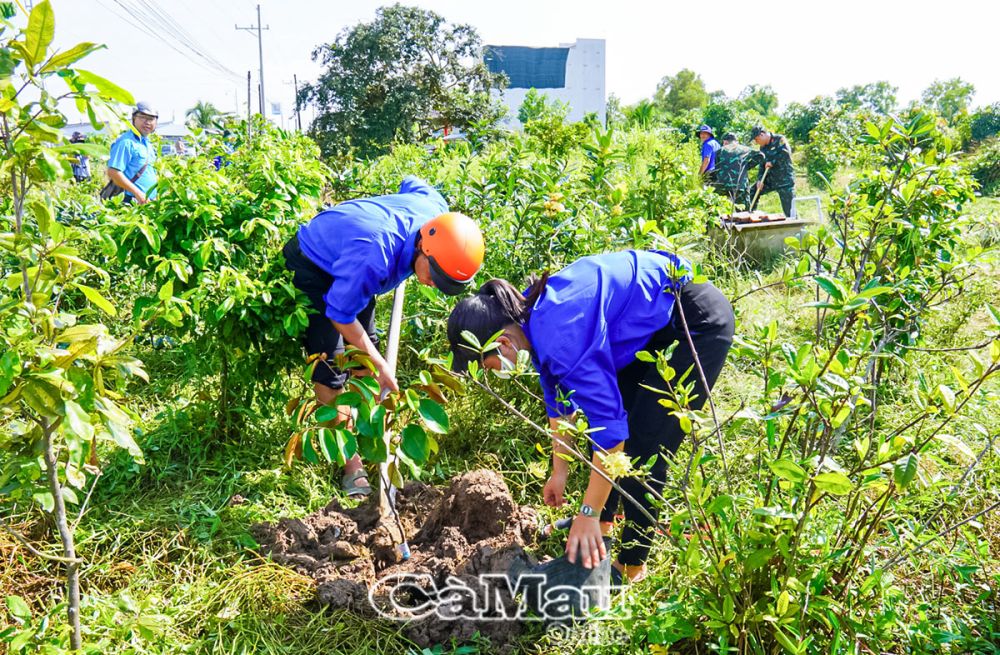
<point x="781" y="176"/>
<point x="732" y="170"/>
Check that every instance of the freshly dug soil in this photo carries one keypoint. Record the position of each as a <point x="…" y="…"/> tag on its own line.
<point x="472" y="528"/>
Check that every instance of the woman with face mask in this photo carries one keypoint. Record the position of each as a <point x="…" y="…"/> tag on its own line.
<point x="582" y="327"/>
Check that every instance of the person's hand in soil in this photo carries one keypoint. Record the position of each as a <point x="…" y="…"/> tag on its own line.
<point x="585" y="541"/>
<point x="554" y="491"/>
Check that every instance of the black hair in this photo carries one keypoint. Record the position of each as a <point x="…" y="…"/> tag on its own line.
<point x="495" y="306"/>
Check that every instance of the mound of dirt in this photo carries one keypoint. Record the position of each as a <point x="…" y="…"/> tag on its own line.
<point x="455" y="536"/>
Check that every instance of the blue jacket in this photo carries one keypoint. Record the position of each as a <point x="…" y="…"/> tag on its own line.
<point x="129" y="153"/>
<point x="368" y="245"/>
<point x="590" y="321"/>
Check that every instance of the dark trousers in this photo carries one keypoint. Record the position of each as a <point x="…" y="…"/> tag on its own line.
<point x="785" y="195"/>
<point x="652" y="430"/>
<point x="320" y="335"/>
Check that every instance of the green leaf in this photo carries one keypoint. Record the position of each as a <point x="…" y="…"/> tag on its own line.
<point x="309" y="447"/>
<point x="326" y="413"/>
<point x="166" y="292"/>
<point x="719" y="504"/>
<point x="77" y="52"/>
<point x="947" y="397"/>
<point x="758" y="558"/>
<point x="994" y="314"/>
<point x="835" y="483"/>
<point x="782" y="605"/>
<point x="95" y="297"/>
<point x="342" y="443"/>
<point x="78" y="420"/>
<point x="106" y="88"/>
<point x="433" y="416"/>
<point x="788" y="470"/>
<point x="871" y="292"/>
<point x="831" y="286"/>
<point x="786" y="642"/>
<point x="645" y="356"/>
<point x="45" y="499"/>
<point x="43" y="215"/>
<point x="18" y="608"/>
<point x="416" y="443"/>
<point x="38" y="35"/>
<point x="905" y="470"/>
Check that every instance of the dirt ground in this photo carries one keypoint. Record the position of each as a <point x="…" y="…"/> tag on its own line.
<point x="471" y="528"/>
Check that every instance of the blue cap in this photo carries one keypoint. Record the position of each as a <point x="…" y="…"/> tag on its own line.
<point x="705" y="128"/>
<point x="144" y="107"/>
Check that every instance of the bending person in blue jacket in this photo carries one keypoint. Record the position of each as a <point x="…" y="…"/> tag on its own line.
<point x="583" y="327"/>
<point x="346" y="256"/>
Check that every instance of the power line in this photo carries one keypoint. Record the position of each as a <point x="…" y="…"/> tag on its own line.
<point x="147" y="24"/>
<point x="180" y="32"/>
<point x="176" y="30"/>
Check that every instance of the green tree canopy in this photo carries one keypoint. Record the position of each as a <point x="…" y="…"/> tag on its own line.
<point x="879" y="97"/>
<point x="398" y="78"/>
<point x="760" y="98"/>
<point x="798" y="119"/>
<point x="949" y="97"/>
<point x="538" y="106"/>
<point x="681" y="92"/>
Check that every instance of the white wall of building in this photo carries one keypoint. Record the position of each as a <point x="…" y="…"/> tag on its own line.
<point x="585" y="84"/>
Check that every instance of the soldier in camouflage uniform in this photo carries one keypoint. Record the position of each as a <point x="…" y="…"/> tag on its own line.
<point x="777" y="161"/>
<point x="732" y="170"/>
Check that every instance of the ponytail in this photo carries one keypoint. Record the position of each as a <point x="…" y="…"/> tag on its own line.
<point x="495" y="306"/>
<point x="508" y="300"/>
<point x="535" y="289"/>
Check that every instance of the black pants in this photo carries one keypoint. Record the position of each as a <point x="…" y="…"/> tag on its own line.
<point x="652" y="430"/>
<point x="785" y="194"/>
<point x="320" y="335"/>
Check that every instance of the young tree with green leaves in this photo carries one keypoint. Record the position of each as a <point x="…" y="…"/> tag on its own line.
<point x="62" y="371"/>
<point x="681" y="92"/>
<point x="949" y="97"/>
<point x="878" y="97"/>
<point x="760" y="98"/>
<point x="397" y="79"/>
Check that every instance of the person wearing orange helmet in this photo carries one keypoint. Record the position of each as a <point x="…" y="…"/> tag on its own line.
<point x="347" y="255"/>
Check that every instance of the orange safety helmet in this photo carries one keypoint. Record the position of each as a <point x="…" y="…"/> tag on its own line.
<point x="454" y="247"/>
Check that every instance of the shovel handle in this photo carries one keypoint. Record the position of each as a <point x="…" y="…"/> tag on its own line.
<point x="760" y="186"/>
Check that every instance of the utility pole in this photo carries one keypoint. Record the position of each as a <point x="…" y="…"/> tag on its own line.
<point x="298" y="111"/>
<point x="249" y="105"/>
<point x="260" y="52"/>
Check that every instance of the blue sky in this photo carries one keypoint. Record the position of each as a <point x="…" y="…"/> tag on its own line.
<point x="800" y="48"/>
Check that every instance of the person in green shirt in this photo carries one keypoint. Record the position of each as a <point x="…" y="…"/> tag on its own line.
<point x="776" y="159"/>
<point x="732" y="170"/>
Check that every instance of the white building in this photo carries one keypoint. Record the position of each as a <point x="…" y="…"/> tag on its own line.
<point x="572" y="73"/>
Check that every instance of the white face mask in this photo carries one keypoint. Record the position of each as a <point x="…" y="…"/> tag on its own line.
<point x="506" y="366"/>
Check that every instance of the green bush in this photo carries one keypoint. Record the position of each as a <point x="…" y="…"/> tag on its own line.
<point x="984" y="166"/>
<point x="213" y="240"/>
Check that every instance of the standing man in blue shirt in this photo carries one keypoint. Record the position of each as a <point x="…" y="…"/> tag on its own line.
<point x="583" y="327"/>
<point x="346" y="256"/>
<point x="132" y="164"/>
<point x="709" y="148"/>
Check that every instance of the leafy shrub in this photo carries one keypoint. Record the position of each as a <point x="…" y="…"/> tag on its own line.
<point x="985" y="123"/>
<point x="213" y="240"/>
<point x="799" y="558"/>
<point x="984" y="166"/>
